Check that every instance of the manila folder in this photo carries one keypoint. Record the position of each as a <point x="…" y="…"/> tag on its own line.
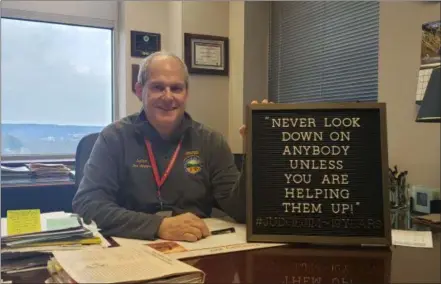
<point x="126" y="265"/>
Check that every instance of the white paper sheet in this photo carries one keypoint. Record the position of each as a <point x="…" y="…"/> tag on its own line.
<point x="407" y="238"/>
<point x="215" y="244"/>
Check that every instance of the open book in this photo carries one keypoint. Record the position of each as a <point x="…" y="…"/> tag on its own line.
<point x="120" y="265"/>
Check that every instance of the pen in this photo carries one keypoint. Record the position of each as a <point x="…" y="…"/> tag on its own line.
<point x="223" y="231"/>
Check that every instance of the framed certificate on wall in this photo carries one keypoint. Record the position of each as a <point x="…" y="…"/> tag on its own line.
<point x="206" y="54"/>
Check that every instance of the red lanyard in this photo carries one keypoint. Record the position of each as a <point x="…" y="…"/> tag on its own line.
<point x="160" y="180"/>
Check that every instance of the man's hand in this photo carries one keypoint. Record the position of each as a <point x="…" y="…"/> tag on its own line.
<point x="186" y="227"/>
<point x="243" y="128"/>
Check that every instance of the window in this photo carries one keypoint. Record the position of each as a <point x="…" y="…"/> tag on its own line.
<point x="56" y="87"/>
<point x="323" y="51"/>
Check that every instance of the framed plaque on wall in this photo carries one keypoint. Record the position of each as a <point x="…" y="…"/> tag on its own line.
<point x="206" y="54"/>
<point x="142" y="44"/>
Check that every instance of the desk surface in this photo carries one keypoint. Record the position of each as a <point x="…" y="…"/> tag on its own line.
<point x="289" y="265"/>
<point x="312" y="265"/>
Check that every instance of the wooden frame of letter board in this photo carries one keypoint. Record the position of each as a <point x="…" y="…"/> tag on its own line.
<point x="326" y="240"/>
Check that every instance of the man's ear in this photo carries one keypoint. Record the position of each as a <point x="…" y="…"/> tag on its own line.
<point x="138" y="90"/>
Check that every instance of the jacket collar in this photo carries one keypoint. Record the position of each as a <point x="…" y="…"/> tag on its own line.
<point x="143" y="126"/>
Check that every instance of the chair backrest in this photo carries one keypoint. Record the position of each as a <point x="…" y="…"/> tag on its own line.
<point x="238" y="160"/>
<point x="84" y="149"/>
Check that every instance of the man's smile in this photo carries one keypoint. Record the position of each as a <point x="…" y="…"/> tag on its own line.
<point x="167" y="108"/>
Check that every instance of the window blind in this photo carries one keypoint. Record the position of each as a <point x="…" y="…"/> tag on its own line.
<point x="323" y="51"/>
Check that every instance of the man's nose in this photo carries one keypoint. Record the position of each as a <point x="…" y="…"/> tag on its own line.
<point x="167" y="92"/>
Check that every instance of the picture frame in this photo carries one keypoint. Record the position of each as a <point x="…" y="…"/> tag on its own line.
<point x="142" y="44"/>
<point x="135" y="71"/>
<point x="206" y="54"/>
<point x="430" y="57"/>
<point x="430" y="43"/>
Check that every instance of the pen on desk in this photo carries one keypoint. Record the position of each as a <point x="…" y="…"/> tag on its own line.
<point x="223" y="231"/>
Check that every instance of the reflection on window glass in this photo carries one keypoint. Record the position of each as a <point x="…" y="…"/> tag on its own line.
<point x="56" y="86"/>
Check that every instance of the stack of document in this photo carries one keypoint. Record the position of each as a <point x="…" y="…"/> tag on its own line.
<point x="49" y="170"/>
<point x="60" y="231"/>
<point x="40" y="172"/>
<point x="65" y="237"/>
<point x="21" y="262"/>
<point x="28" y="241"/>
<point x="120" y="265"/>
<point x="13" y="173"/>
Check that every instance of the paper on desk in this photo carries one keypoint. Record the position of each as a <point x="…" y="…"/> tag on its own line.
<point x="23" y="221"/>
<point x="215" y="244"/>
<point x="120" y="265"/>
<point x="43" y="221"/>
<point x="433" y="218"/>
<point x="62" y="223"/>
<point x="22" y="169"/>
<point x="407" y="238"/>
<point x="57" y="220"/>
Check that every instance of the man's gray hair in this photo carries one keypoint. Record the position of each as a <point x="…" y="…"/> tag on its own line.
<point x="145" y="65"/>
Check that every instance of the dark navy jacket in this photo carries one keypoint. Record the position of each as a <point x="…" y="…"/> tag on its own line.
<point x="119" y="193"/>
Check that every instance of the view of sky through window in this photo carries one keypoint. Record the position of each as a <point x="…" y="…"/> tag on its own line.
<point x="56" y="86"/>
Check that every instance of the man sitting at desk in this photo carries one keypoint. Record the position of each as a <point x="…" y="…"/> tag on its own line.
<point x="159" y="160"/>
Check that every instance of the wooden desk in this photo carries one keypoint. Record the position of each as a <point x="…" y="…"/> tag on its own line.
<point x="339" y="266"/>
<point x="304" y="265"/>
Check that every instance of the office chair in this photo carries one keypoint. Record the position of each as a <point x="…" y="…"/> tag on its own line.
<point x="238" y="160"/>
<point x="84" y="149"/>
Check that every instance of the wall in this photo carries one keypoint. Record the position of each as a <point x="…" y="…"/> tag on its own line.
<point x="216" y="101"/>
<point x="150" y="16"/>
<point x="256" y="43"/>
<point x="208" y="102"/>
<point x="412" y="146"/>
<point x="236" y="88"/>
<point x="249" y="36"/>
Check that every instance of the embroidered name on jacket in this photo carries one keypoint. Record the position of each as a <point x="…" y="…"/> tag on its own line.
<point x="141" y="163"/>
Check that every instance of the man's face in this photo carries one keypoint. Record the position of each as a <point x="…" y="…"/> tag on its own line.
<point x="164" y="95"/>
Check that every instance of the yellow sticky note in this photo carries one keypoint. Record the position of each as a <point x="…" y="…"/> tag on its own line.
<point x="23" y="221"/>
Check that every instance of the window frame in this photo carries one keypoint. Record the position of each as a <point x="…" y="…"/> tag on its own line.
<point x="111" y="25"/>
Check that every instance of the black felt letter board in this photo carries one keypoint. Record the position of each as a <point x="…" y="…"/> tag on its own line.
<point x="317" y="173"/>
